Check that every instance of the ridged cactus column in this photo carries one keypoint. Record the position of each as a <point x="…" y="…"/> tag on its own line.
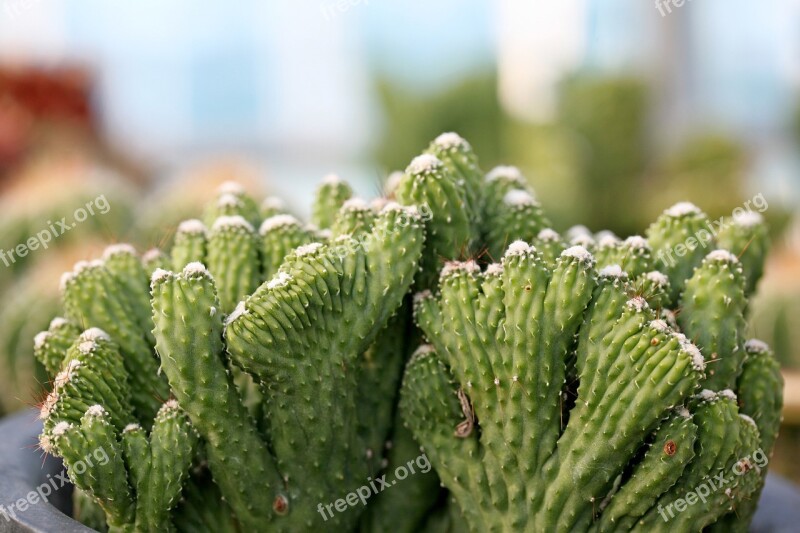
<point x="188" y="331"/>
<point x="506" y="335"/>
<point x="298" y="332"/>
<point x="712" y="314"/>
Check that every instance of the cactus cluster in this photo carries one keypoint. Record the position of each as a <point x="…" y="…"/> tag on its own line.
<point x="263" y="367"/>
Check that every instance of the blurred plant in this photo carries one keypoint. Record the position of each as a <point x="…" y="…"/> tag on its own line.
<point x="703" y="163"/>
<point x="607" y="116"/>
<point x="775" y="313"/>
<point x="470" y="107"/>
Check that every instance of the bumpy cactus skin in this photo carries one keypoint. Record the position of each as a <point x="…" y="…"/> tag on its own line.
<point x="712" y="314"/>
<point x="331" y="195"/>
<point x="428" y="182"/>
<point x="522" y="309"/>
<point x="91" y="298"/>
<point x="264" y="369"/>
<point x="188" y="330"/>
<point x="313" y="319"/>
<point x="674" y="239"/>
<point x="745" y="235"/>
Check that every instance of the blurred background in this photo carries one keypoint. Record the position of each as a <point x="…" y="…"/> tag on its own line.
<point x="613" y="109"/>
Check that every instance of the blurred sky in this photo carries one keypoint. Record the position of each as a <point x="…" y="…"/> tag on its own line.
<point x="292" y="82"/>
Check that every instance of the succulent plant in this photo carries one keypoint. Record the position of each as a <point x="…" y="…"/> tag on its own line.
<point x="250" y="377"/>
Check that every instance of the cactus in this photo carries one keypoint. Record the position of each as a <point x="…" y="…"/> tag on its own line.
<point x="533" y="430"/>
<point x="553" y="382"/>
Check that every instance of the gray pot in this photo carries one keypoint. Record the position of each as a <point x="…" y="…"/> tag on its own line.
<point x="24" y="468"/>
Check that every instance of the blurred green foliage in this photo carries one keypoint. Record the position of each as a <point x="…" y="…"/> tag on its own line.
<point x="594" y="162"/>
<point x="469" y="107"/>
<point x="607" y="116"/>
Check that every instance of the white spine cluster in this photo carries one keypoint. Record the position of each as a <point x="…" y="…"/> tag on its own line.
<point x="424" y="163"/>
<point x="192" y="227"/>
<point x="707" y="395"/>
<point x="61" y="428"/>
<point x="495" y="269"/>
<point x="277" y="221"/>
<point x="578" y="252"/>
<point x="237" y="312"/>
<point x="273" y="202"/>
<point x="637" y="303"/>
<point x="356" y="204"/>
<point x="159" y="274"/>
<point x="457" y="267"/>
<point x="229" y="200"/>
<point x="723" y="256"/>
<point x="331" y="179"/>
<point x="727" y="393"/>
<point x="548" y="234"/>
<point x="612" y="271"/>
<point x="120" y="248"/>
<point x="231" y="222"/>
<point x="95" y="334"/>
<point x="40" y="339"/>
<point x="518" y="197"/>
<point x="505" y="172"/>
<point x="230" y="187"/>
<point x="195" y="268"/>
<point x="637" y="242"/>
<point x="450" y="140"/>
<point x="519" y="248"/>
<point x="747" y="219"/>
<point x="756" y="346"/>
<point x="659" y="325"/>
<point x="748" y="420"/>
<point x="682" y="209"/>
<point x="657" y="277"/>
<point x="307" y="249"/>
<point x="422" y="295"/>
<point x="96" y="410"/>
<point x="281" y="279"/>
<point x="698" y="361"/>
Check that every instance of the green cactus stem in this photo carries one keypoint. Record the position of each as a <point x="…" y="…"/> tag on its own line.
<point x="457" y="155"/>
<point x="679" y="239"/>
<point x="331" y="195"/>
<point x="49" y="347"/>
<point x="94" y="437"/>
<point x="428" y="182"/>
<point x="760" y="387"/>
<point x="666" y="457"/>
<point x="272" y="206"/>
<point x="232" y="200"/>
<point x="191" y="242"/>
<point x="724" y="438"/>
<point x="93" y="372"/>
<point x="290" y="333"/>
<point x="159" y="466"/>
<point x="279" y="235"/>
<point x="745" y="235"/>
<point x="521" y="308"/>
<point x="188" y="331"/>
<point x="91" y="299"/>
<point x="712" y="314"/>
<point x="233" y="256"/>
